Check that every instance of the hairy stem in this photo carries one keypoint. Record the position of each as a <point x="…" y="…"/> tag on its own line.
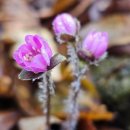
<point x="48" y="102"/>
<point x="46" y="90"/>
<point x="73" y="110"/>
<point x="74" y="90"/>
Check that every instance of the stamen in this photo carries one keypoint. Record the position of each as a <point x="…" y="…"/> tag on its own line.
<point x="36" y="50"/>
<point x="28" y="57"/>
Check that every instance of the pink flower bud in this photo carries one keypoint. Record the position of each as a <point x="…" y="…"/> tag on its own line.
<point x="34" y="55"/>
<point x="65" y="27"/>
<point x="94" y="46"/>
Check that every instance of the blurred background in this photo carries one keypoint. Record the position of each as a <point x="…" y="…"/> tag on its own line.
<point x="105" y="96"/>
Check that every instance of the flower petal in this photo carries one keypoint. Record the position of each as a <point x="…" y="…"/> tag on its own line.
<point x="45" y="45"/>
<point x="23" y="50"/>
<point x="32" y="43"/>
<point x="87" y="43"/>
<point x="18" y="59"/>
<point x="64" y="24"/>
<point x="69" y="24"/>
<point x="38" y="64"/>
<point x="20" y="53"/>
<point x="101" y="49"/>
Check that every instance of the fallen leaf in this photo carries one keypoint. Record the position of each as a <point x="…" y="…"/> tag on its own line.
<point x="8" y="120"/>
<point x="35" y="123"/>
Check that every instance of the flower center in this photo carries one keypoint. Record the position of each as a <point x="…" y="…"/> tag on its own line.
<point x="28" y="57"/>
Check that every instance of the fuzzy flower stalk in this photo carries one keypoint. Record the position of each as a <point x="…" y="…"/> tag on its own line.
<point x="92" y="49"/>
<point x="36" y="59"/>
<point x="66" y="29"/>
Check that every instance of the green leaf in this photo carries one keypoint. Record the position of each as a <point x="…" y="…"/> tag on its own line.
<point x="55" y="60"/>
<point x="27" y="75"/>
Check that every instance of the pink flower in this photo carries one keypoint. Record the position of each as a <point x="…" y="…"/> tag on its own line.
<point x="65" y="24"/>
<point x="94" y="45"/>
<point x="34" y="55"/>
